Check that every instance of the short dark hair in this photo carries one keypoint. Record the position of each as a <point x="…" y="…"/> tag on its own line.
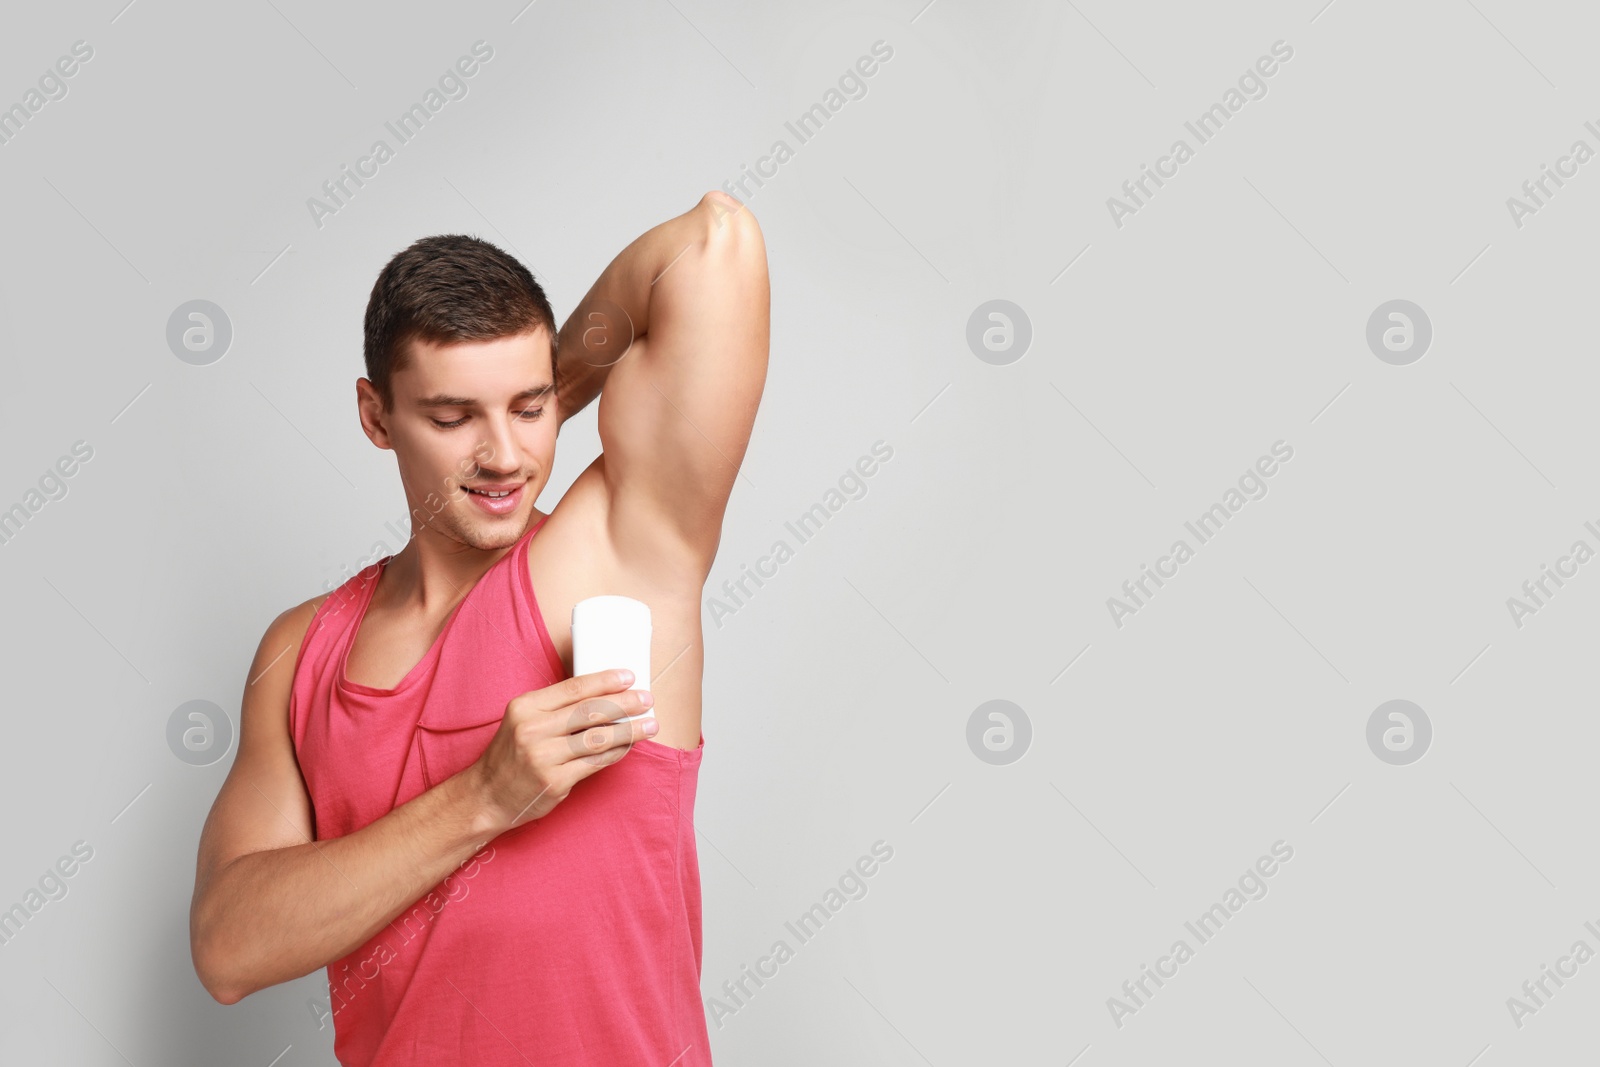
<point x="445" y="289"/>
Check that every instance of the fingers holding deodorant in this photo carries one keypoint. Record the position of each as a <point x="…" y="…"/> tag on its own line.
<point x="552" y="738"/>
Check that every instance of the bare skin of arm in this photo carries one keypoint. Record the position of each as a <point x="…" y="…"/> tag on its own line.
<point x="676" y="331"/>
<point x="270" y="904"/>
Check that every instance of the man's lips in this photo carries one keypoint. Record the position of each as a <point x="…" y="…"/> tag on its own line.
<point x="506" y="504"/>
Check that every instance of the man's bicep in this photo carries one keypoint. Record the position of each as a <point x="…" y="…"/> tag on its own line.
<point x="677" y="411"/>
<point x="263" y="803"/>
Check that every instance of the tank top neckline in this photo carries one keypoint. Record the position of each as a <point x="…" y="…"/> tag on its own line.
<point x="420" y="668"/>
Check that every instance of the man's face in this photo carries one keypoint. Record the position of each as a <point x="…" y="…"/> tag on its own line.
<point x="471" y="416"/>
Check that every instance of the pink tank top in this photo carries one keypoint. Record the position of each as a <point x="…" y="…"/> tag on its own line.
<point x="571" y="940"/>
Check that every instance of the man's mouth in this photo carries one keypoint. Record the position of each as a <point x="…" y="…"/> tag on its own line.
<point x="496" y="499"/>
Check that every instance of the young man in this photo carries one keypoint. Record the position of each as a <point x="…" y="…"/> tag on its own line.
<point x="424" y="799"/>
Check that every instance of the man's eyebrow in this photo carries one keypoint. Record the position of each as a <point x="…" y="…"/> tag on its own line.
<point x="444" y="400"/>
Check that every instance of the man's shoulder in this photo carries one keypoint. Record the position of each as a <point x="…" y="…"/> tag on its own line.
<point x="277" y="657"/>
<point x="300" y="615"/>
<point x="286" y="633"/>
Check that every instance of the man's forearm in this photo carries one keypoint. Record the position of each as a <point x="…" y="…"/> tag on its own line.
<point x="617" y="307"/>
<point x="271" y="916"/>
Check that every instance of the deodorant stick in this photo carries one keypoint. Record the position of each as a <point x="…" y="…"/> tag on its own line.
<point x="613" y="633"/>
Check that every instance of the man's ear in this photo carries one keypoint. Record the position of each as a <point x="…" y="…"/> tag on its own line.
<point x="369" y="409"/>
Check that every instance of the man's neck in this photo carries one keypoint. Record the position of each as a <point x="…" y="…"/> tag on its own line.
<point x="432" y="573"/>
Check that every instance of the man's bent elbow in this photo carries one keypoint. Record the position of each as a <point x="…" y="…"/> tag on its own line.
<point x="730" y="218"/>
<point x="221" y="991"/>
<point x="225" y="997"/>
<point x="208" y="967"/>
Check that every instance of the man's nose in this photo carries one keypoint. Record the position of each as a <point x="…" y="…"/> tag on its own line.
<point x="498" y="449"/>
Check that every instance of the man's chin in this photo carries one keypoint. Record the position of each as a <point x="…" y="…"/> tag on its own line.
<point x="487" y="533"/>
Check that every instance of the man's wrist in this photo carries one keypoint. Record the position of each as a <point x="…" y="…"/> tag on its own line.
<point x="480" y="815"/>
<point x="589" y="344"/>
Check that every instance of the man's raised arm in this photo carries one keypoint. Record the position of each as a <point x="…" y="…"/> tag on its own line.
<point x="679" y="401"/>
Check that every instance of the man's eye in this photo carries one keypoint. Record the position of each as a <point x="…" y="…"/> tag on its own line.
<point x="527" y="415"/>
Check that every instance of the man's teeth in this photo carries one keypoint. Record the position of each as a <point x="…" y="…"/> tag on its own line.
<point x="480" y="492"/>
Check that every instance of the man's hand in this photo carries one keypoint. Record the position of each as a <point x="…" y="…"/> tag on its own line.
<point x="553" y="738"/>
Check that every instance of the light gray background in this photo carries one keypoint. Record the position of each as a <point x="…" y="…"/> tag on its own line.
<point x="1167" y="355"/>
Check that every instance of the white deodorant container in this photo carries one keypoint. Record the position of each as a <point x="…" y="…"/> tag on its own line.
<point x="613" y="633"/>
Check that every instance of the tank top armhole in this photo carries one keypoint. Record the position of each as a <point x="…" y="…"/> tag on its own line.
<point x="294" y="677"/>
<point x="525" y="582"/>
